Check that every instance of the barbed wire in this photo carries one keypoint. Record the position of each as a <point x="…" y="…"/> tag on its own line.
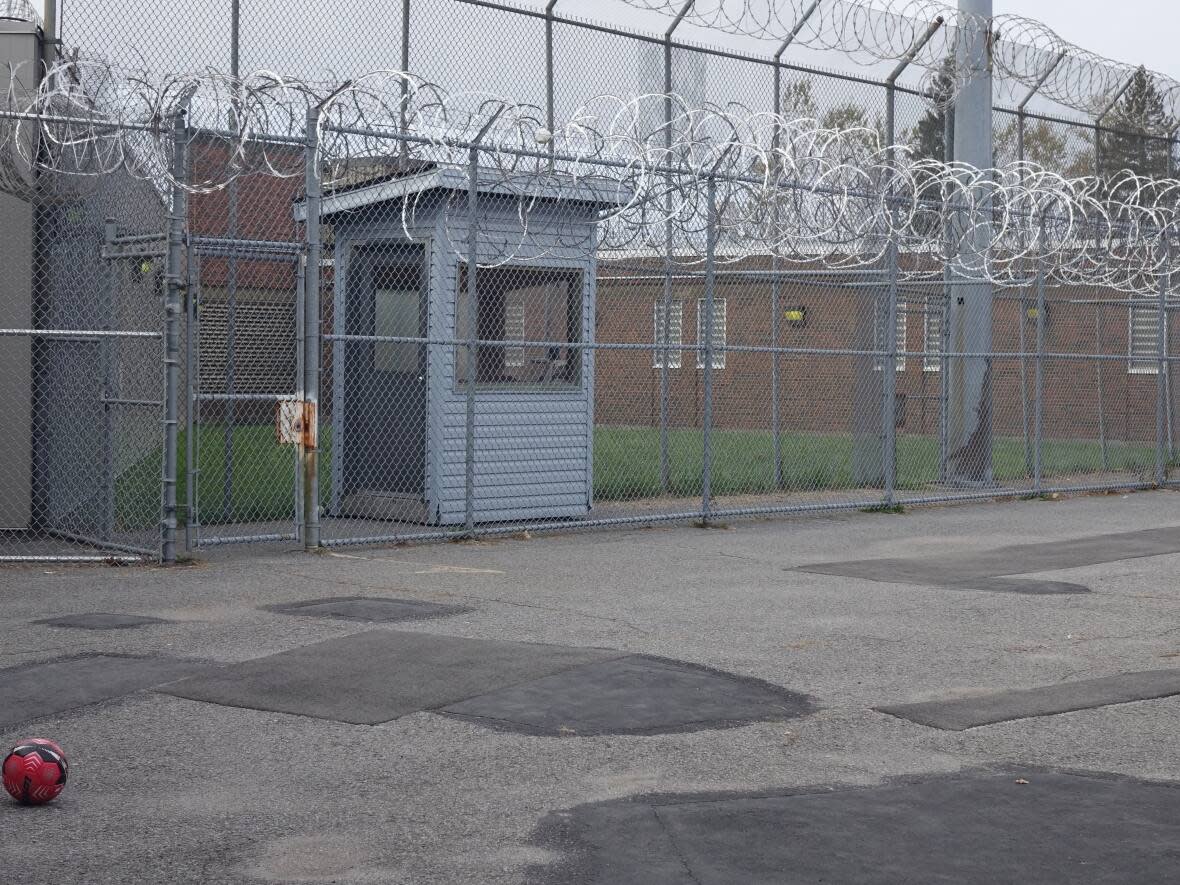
<point x="785" y="188"/>
<point x="1023" y="50"/>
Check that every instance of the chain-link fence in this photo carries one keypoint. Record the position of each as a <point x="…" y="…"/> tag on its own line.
<point x="391" y="310"/>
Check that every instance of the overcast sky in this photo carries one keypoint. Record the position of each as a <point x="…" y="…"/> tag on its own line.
<point x="286" y="34"/>
<point x="1134" y="31"/>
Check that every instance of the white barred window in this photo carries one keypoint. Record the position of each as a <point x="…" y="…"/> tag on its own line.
<point x="675" y="334"/>
<point x="1143" y="339"/>
<point x="718" y="333"/>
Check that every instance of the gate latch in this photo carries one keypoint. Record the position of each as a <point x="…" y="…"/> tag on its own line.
<point x="295" y="423"/>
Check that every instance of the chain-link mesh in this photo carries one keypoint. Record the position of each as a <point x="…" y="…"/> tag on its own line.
<point x="430" y="313"/>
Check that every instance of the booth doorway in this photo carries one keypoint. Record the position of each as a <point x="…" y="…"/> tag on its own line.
<point x="383" y="444"/>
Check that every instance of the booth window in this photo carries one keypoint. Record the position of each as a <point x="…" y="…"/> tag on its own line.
<point x="538" y="305"/>
<point x="395" y="315"/>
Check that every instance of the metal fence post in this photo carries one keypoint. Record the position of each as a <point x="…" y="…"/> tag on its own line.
<point x="944" y="317"/>
<point x="1102" y="444"/>
<point x="889" y="371"/>
<point x="172" y="308"/>
<point x="775" y="305"/>
<point x="309" y="438"/>
<point x="1020" y="127"/>
<point x="1161" y="378"/>
<point x="300" y="337"/>
<point x="1039" y="379"/>
<point x="550" y="114"/>
<point x="775" y="308"/>
<point x="776" y="418"/>
<point x="404" y="146"/>
<point x="707" y="351"/>
<point x="191" y="362"/>
<point x="1022" y="343"/>
<point x="107" y="532"/>
<point x="472" y="290"/>
<point x="229" y="415"/>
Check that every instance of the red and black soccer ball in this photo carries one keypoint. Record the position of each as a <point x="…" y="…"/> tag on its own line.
<point x="35" y="771"/>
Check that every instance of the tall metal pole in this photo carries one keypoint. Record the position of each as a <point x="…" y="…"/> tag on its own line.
<point x="49" y="29"/>
<point x="969" y="456"/>
<point x="172" y="307"/>
<point x="309" y="438"/>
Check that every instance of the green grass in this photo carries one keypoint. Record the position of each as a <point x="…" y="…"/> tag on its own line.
<point x="627" y="461"/>
<point x="626" y="466"/>
<point x="262" y="483"/>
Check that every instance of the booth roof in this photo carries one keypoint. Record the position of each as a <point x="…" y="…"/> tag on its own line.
<point x="417" y="178"/>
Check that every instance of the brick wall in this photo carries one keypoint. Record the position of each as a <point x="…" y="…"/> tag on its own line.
<point x="817" y="392"/>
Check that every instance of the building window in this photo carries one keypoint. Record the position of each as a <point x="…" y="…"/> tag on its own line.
<point x="514" y="357"/>
<point x="1143" y="339"/>
<point x="540" y="305"/>
<point x="932" y="333"/>
<point x="879" y="339"/>
<point x="718" y="333"/>
<point x="675" y="334"/>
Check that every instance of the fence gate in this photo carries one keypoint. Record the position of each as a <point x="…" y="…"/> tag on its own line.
<point x="242" y="482"/>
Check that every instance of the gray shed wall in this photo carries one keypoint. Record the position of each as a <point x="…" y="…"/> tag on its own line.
<point x="534" y="449"/>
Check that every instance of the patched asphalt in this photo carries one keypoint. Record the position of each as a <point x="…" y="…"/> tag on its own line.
<point x="742" y="699"/>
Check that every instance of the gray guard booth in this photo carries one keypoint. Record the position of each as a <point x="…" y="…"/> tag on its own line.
<point x="399" y="409"/>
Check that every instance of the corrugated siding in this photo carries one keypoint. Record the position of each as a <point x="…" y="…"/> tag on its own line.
<point x="533" y="448"/>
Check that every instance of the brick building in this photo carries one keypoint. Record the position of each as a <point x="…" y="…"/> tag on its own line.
<point x="817" y="391"/>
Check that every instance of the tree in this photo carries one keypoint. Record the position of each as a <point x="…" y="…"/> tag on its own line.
<point x="798" y="100"/>
<point x="1043" y="145"/>
<point x="850" y="116"/>
<point x="927" y="140"/>
<point x="1134" y="136"/>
